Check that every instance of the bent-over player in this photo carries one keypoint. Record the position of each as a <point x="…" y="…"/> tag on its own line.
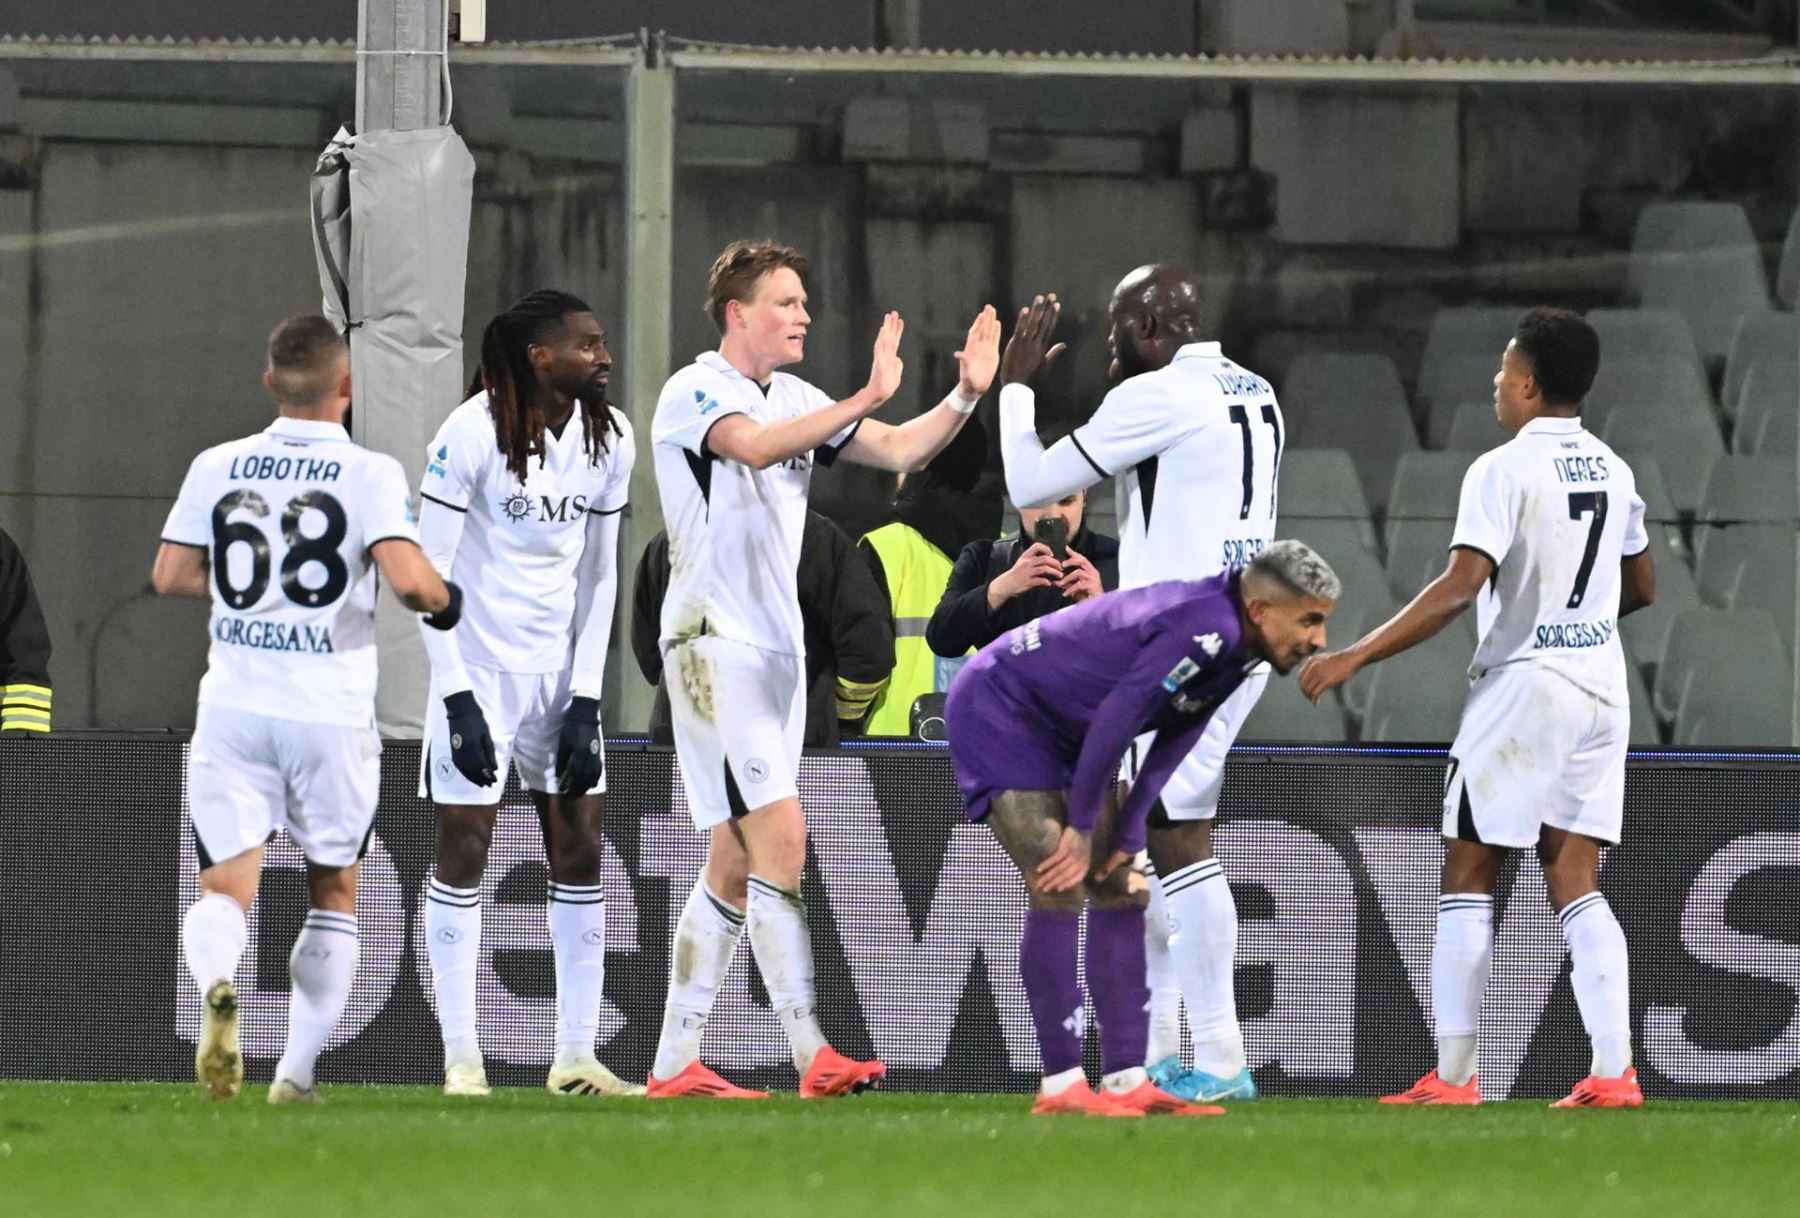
<point x="735" y="443"/>
<point x="1551" y="550"/>
<point x="522" y="494"/>
<point x="1193" y="444"/>
<point x="284" y="531"/>
<point x="1038" y="722"/>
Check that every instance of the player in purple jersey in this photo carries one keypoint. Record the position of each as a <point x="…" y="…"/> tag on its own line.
<point x="1038" y="722"/>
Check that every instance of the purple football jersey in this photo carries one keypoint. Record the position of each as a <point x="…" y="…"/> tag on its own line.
<point x="1054" y="704"/>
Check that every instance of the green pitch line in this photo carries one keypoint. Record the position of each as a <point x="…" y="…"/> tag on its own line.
<point x="145" y="1149"/>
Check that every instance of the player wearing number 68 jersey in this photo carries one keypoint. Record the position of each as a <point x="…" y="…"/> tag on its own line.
<point x="1551" y="550"/>
<point x="284" y="531"/>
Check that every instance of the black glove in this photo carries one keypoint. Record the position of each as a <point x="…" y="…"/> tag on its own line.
<point x="471" y="745"/>
<point x="450" y="614"/>
<point x="580" y="759"/>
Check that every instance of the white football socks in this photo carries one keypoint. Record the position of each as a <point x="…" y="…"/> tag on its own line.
<point x="1165" y="985"/>
<point x="705" y="939"/>
<point x="1203" y="944"/>
<point x="783" y="946"/>
<point x="577" y="917"/>
<point x="322" y="969"/>
<point x="1461" y="957"/>
<point x="453" y="944"/>
<point x="1600" y="972"/>
<point x="213" y="935"/>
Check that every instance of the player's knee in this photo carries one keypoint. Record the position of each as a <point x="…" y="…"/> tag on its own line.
<point x="1117" y="892"/>
<point x="576" y="860"/>
<point x="462" y="851"/>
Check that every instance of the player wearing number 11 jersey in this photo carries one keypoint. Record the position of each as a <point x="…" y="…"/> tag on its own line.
<point x="1550" y="547"/>
<point x="293" y="522"/>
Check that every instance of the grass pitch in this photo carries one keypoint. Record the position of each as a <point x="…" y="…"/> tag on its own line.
<point x="146" y="1149"/>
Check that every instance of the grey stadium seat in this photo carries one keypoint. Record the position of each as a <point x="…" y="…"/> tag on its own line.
<point x="1418" y="552"/>
<point x="1737" y="702"/>
<point x="1756" y="490"/>
<point x="1426" y="486"/>
<point x="1646" y="632"/>
<point x="1461" y="378"/>
<point x="1645" y="730"/>
<point x="1701" y="260"/>
<point x="1475" y="429"/>
<point x="1284" y="715"/>
<point x="1751" y="566"/>
<point x="1648" y="388"/>
<point x="1320" y="483"/>
<point x="1739" y="640"/>
<point x="1353" y="402"/>
<point x="1662" y="520"/>
<point x="1349" y="546"/>
<point x="1644" y="332"/>
<point x="1685" y="445"/>
<point x="1768" y="409"/>
<point x="1758" y="337"/>
<point x="1455" y="333"/>
<point x="1787" y="278"/>
<point x="1418" y="695"/>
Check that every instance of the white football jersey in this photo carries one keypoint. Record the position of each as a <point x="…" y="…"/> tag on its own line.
<point x="288" y="516"/>
<point x="1556" y="511"/>
<point x="521" y="543"/>
<point x="1194" y="449"/>
<point x="734" y="531"/>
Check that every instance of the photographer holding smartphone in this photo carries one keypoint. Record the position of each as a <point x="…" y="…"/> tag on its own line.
<point x="1052" y="561"/>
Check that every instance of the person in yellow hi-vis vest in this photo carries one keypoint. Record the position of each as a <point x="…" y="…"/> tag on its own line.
<point x="938" y="511"/>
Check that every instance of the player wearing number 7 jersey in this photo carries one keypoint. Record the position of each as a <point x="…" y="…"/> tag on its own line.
<point x="292" y="522"/>
<point x="1550" y="547"/>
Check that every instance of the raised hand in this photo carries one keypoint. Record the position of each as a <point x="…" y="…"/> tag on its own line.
<point x="980" y="355"/>
<point x="1029" y="347"/>
<point x="884" y="372"/>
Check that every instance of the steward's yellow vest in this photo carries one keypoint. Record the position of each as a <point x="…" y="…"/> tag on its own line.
<point x="917" y="573"/>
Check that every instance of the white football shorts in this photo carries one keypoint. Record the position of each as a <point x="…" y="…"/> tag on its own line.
<point x="249" y="775"/>
<point x="1192" y="792"/>
<point x="524" y="713"/>
<point x="739" y="715"/>
<point x="1535" y="749"/>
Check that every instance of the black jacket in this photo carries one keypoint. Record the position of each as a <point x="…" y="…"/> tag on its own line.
<point x="24" y="647"/>
<point x="962" y="619"/>
<point x="849" y="627"/>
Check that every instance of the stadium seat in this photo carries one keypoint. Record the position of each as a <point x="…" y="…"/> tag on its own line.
<point x="1700" y="260"/>
<point x="1637" y="333"/>
<point x="1661" y="518"/>
<point x="1685" y="445"/>
<point x="1418" y="551"/>
<point x="1458" y="333"/>
<point x="1645" y="728"/>
<point x="1758" y="337"/>
<point x="1750" y="490"/>
<point x="1737" y="703"/>
<point x="1418" y="695"/>
<point x="1349" y="546"/>
<point x="1751" y="566"/>
<point x="1320" y="483"/>
<point x="1353" y="402"/>
<point x="1768" y="409"/>
<point x="1284" y="715"/>
<point x="1742" y="641"/>
<point x="1461" y="378"/>
<point x="1646" y="632"/>
<point x="1475" y="429"/>
<point x="1648" y="388"/>
<point x="1426" y="486"/>
<point x="1787" y="277"/>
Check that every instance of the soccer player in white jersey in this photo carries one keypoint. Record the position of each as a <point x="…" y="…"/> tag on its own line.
<point x="1193" y="443"/>
<point x="522" y="493"/>
<point x="1551" y="550"/>
<point x="284" y="530"/>
<point x="735" y="441"/>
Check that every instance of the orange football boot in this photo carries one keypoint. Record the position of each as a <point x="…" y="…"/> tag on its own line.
<point x="1078" y="1099"/>
<point x="831" y="1073"/>
<point x="1591" y="1092"/>
<point x="699" y="1081"/>
<point x="1433" y="1090"/>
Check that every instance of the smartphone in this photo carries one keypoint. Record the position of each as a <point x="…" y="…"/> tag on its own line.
<point x="1053" y="531"/>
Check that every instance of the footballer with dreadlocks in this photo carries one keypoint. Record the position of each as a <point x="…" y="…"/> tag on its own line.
<point x="523" y="488"/>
